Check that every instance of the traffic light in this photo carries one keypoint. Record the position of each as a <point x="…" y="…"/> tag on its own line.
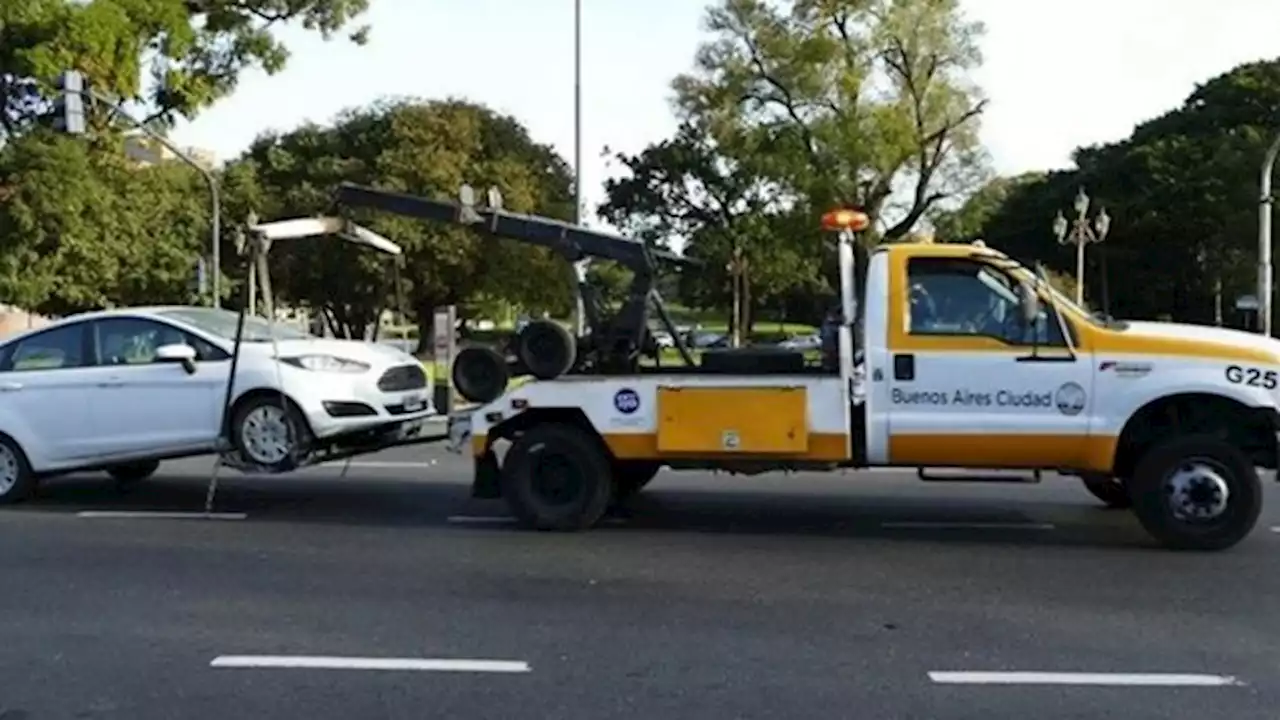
<point x="68" y="105"/>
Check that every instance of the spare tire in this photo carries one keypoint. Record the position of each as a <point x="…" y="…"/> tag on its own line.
<point x="546" y="348"/>
<point x="480" y="374"/>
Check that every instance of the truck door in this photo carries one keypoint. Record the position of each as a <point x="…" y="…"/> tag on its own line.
<point x="970" y="384"/>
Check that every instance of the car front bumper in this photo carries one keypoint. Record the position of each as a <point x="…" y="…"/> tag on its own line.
<point x="342" y="405"/>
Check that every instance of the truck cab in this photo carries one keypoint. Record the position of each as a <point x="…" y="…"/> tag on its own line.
<point x="956" y="376"/>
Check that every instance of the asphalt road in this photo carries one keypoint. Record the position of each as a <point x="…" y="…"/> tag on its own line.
<point x="801" y="596"/>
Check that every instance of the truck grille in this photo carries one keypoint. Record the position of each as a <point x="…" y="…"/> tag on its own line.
<point x="404" y="377"/>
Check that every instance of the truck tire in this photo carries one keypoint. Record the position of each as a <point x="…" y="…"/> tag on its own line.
<point x="630" y="477"/>
<point x="546" y="348"/>
<point x="1196" y="493"/>
<point x="557" y="477"/>
<point x="1111" y="491"/>
<point x="480" y="374"/>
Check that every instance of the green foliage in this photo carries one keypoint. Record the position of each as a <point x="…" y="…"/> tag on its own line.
<point x="193" y="51"/>
<point x="83" y="230"/>
<point x="1182" y="193"/>
<point x="842" y="101"/>
<point x="423" y="148"/>
<point x="685" y="188"/>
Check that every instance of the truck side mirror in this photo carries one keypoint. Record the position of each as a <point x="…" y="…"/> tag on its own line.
<point x="1028" y="303"/>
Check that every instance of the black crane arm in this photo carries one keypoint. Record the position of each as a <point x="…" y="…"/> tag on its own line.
<point x="573" y="241"/>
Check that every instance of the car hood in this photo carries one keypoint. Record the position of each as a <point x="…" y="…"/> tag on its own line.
<point x="372" y="353"/>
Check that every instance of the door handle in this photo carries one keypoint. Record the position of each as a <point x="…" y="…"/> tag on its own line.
<point x="904" y="367"/>
<point x="10" y="386"/>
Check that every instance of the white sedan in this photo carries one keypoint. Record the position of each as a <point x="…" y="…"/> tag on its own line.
<point x="123" y="389"/>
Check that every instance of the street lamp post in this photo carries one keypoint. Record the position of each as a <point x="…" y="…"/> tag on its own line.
<point x="72" y="87"/>
<point x="579" y="267"/>
<point x="1264" y="239"/>
<point x="1080" y="233"/>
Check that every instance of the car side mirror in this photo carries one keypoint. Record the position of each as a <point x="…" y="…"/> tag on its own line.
<point x="1028" y="303"/>
<point x="182" y="354"/>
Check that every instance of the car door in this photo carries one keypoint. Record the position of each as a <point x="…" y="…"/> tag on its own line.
<point x="153" y="406"/>
<point x="46" y="383"/>
<point x="971" y="384"/>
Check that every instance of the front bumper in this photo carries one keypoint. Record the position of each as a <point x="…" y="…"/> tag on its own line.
<point x="342" y="405"/>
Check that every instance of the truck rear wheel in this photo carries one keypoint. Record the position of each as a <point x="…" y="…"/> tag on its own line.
<point x="557" y="477"/>
<point x="1197" y="493"/>
<point x="1112" y="491"/>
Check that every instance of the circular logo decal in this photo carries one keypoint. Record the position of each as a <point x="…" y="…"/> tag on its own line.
<point x="627" y="401"/>
<point x="1070" y="399"/>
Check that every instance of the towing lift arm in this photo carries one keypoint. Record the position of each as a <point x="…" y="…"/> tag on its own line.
<point x="615" y="343"/>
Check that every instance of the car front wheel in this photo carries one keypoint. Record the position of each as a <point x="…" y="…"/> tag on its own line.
<point x="270" y="434"/>
<point x="17" y="482"/>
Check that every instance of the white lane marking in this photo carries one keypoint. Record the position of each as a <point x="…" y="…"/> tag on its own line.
<point x="386" y="464"/>
<point x="480" y="519"/>
<point x="321" y="662"/>
<point x="159" y="514"/>
<point x="908" y="525"/>
<point x="1083" y="678"/>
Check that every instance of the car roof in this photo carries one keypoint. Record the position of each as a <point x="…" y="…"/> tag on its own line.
<point x="142" y="311"/>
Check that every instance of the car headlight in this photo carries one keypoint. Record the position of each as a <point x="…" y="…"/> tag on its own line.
<point x="327" y="363"/>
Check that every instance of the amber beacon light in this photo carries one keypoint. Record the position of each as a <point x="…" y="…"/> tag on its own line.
<point x="845" y="219"/>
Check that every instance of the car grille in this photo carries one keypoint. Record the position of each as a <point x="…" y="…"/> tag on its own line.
<point x="404" y="377"/>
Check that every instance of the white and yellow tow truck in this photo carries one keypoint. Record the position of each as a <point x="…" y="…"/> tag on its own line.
<point x="949" y="356"/>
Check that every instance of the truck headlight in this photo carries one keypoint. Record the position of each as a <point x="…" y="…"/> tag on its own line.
<point x="326" y="363"/>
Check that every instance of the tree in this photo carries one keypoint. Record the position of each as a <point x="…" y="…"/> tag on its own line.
<point x="84" y="230"/>
<point x="727" y="215"/>
<point x="193" y="50"/>
<point x="966" y="222"/>
<point x="422" y="148"/>
<point x="1182" y="192"/>
<point x="844" y="102"/>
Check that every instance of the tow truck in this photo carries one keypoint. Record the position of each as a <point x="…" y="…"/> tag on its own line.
<point x="950" y="358"/>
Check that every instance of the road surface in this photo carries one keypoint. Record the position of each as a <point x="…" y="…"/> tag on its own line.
<point x="389" y="593"/>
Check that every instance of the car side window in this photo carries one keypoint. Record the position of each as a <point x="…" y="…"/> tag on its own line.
<point x="133" y="341"/>
<point x="59" y="348"/>
<point x="963" y="297"/>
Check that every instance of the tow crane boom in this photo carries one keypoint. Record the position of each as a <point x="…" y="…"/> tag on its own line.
<point x="614" y="343"/>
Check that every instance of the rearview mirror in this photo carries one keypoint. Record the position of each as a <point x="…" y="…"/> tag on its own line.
<point x="178" y="353"/>
<point x="175" y="353"/>
<point x="1028" y="303"/>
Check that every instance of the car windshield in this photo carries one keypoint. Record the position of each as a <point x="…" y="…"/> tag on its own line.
<point x="222" y="323"/>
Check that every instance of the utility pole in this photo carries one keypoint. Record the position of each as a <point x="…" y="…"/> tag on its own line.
<point x="1078" y="232"/>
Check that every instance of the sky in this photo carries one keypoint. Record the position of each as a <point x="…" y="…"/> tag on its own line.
<point x="1059" y="73"/>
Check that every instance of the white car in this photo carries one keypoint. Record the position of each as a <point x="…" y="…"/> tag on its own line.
<point x="123" y="389"/>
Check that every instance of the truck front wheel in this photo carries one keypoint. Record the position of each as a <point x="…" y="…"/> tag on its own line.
<point x="557" y="477"/>
<point x="1196" y="493"/>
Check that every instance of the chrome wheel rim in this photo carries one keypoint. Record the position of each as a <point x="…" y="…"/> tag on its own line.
<point x="1197" y="491"/>
<point x="266" y="436"/>
<point x="9" y="469"/>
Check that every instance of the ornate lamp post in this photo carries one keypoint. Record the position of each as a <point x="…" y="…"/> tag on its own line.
<point x="1080" y="233"/>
